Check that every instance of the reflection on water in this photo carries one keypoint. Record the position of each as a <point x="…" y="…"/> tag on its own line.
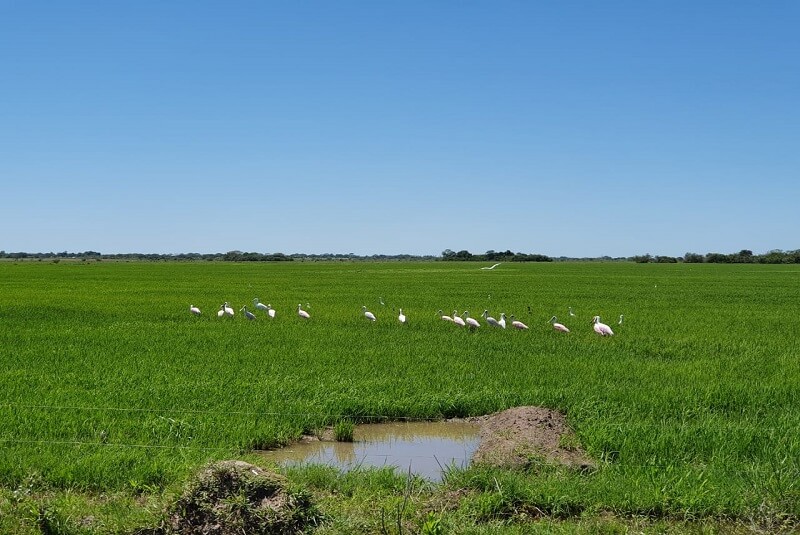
<point x="424" y="448"/>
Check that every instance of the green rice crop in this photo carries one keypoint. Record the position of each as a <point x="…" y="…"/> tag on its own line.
<point x="107" y="382"/>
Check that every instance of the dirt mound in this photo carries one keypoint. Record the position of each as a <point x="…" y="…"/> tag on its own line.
<point x="237" y="497"/>
<point x="516" y="437"/>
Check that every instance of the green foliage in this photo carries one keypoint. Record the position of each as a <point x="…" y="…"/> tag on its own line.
<point x="343" y="431"/>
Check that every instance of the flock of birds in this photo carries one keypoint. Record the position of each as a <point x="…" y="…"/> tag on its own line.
<point x="461" y="320"/>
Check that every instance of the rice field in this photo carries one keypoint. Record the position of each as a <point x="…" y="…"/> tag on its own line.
<point x="109" y="384"/>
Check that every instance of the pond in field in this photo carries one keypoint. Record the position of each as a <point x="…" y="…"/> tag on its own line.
<point x="423" y="448"/>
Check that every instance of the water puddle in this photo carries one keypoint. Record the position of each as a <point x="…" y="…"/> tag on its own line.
<point x="424" y="448"/>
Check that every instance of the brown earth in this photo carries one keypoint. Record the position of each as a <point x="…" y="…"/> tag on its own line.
<point x="517" y="437"/>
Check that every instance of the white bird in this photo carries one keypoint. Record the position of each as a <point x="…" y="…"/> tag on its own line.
<point x="247" y="314"/>
<point x="221" y="311"/>
<point x="502" y="321"/>
<point x="558" y="326"/>
<point x="367" y="314"/>
<point x="444" y="316"/>
<point x="490" y="320"/>
<point x="517" y="324"/>
<point x="571" y="313"/>
<point x="194" y="310"/>
<point x="458" y="320"/>
<point x="472" y="323"/>
<point x="492" y="267"/>
<point x="228" y="308"/>
<point x="302" y="313"/>
<point x="601" y="328"/>
<point x="620" y="319"/>
<point x="401" y="317"/>
<point x="270" y="311"/>
<point x="381" y="300"/>
<point x="259" y="305"/>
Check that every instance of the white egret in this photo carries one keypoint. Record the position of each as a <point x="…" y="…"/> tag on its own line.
<point x="502" y="321"/>
<point x="194" y="310"/>
<point x="401" y="317"/>
<point x="492" y="267"/>
<point x="270" y="311"/>
<point x="228" y="308"/>
<point x="221" y="311"/>
<point x="620" y="319"/>
<point x="571" y="313"/>
<point x="302" y="313"/>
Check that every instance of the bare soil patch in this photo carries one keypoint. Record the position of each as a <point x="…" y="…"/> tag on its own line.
<point x="516" y="437"/>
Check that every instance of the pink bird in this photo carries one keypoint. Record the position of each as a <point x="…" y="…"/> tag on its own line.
<point x="601" y="328"/>
<point x="558" y="326"/>
<point x="302" y="313"/>
<point x="472" y="323"/>
<point x="458" y="320"/>
<point x="445" y="317"/>
<point x="517" y="324"/>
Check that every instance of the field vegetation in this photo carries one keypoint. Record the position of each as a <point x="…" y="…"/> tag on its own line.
<point x="112" y="394"/>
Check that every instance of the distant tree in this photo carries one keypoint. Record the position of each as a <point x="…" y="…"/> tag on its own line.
<point x="666" y="260"/>
<point x="717" y="258"/>
<point x="642" y="259"/>
<point x="693" y="258"/>
<point x="448" y="254"/>
<point x="464" y="255"/>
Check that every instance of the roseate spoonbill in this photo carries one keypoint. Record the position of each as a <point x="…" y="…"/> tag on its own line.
<point x="270" y="311"/>
<point x="601" y="328"/>
<point x="472" y="323"/>
<point x="444" y="317"/>
<point x="517" y="324"/>
<point x="259" y="305"/>
<point x="492" y="267"/>
<point x="194" y="310"/>
<point x="458" y="320"/>
<point x="558" y="326"/>
<point x="228" y="308"/>
<point x="367" y="314"/>
<point x="302" y="313"/>
<point x="401" y="317"/>
<point x="620" y="319"/>
<point x="502" y="321"/>
<point x="247" y="314"/>
<point x="490" y="320"/>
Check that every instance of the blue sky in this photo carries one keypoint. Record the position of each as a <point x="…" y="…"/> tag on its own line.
<point x="562" y="128"/>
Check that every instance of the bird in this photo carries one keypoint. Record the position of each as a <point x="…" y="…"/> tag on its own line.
<point x="270" y="311"/>
<point x="444" y="316"/>
<point x="228" y="308"/>
<point x="490" y="320"/>
<point x="571" y="313"/>
<point x="472" y="323"/>
<point x="381" y="301"/>
<point x="194" y="310"/>
<point x="401" y="317"/>
<point x="558" y="326"/>
<point x="601" y="328"/>
<point x="302" y="313"/>
<point x="221" y="311"/>
<point x="458" y="320"/>
<point x="502" y="321"/>
<point x="247" y="314"/>
<point x="492" y="267"/>
<point x="517" y="324"/>
<point x="620" y="319"/>
<point x="259" y="305"/>
<point x="367" y="314"/>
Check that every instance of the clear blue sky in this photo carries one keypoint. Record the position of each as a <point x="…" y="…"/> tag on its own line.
<point x="562" y="128"/>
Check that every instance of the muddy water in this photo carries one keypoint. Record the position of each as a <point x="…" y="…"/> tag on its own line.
<point x="424" y="448"/>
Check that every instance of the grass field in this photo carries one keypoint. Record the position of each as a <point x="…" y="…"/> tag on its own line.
<point x="109" y="386"/>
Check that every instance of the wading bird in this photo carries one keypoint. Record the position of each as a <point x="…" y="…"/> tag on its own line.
<point x="490" y="320"/>
<point x="247" y="314"/>
<point x="502" y="321"/>
<point x="472" y="323"/>
<point x="194" y="310"/>
<point x="367" y="314"/>
<point x="558" y="326"/>
<point x="601" y="328"/>
<point x="381" y="301"/>
<point x="444" y="316"/>
<point x="571" y="313"/>
<point x="270" y="311"/>
<point x="302" y="313"/>
<point x="517" y="324"/>
<point x="259" y="305"/>
<point x="401" y="317"/>
<point x="492" y="267"/>
<point x="221" y="311"/>
<point x="620" y="319"/>
<point x="228" y="309"/>
<point x="458" y="320"/>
